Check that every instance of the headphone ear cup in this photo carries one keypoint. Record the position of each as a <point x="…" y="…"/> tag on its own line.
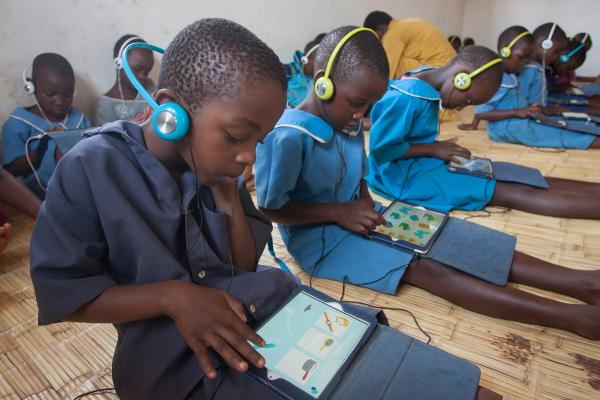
<point x="505" y="52"/>
<point x="170" y="121"/>
<point x="118" y="63"/>
<point x="462" y="81"/>
<point x="324" y="88"/>
<point x="547" y="44"/>
<point x="29" y="86"/>
<point x="563" y="59"/>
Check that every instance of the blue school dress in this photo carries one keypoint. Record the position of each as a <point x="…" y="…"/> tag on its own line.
<point x="303" y="160"/>
<point x="512" y="95"/>
<point x="298" y="84"/>
<point x="408" y="114"/>
<point x="23" y="124"/>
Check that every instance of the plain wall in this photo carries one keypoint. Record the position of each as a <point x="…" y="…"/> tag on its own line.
<point x="85" y="31"/>
<point x="485" y="19"/>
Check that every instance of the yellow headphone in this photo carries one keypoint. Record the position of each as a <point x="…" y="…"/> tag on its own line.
<point x="505" y="51"/>
<point x="324" y="87"/>
<point x="462" y="80"/>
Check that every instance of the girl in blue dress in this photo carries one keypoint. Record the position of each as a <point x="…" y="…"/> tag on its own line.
<point x="509" y="110"/>
<point x="52" y="85"/>
<point x="310" y="180"/>
<point x="406" y="161"/>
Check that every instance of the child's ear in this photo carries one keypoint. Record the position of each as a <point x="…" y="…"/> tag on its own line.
<point x="169" y="95"/>
<point x="320" y="73"/>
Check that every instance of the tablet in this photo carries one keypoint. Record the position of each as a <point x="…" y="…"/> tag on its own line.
<point x="410" y="227"/>
<point x="310" y="341"/>
<point x="476" y="166"/>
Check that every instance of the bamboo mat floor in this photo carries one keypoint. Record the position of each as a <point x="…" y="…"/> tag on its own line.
<point x="517" y="360"/>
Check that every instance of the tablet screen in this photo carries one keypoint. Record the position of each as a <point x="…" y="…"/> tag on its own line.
<point x="481" y="165"/>
<point x="410" y="224"/>
<point x="308" y="341"/>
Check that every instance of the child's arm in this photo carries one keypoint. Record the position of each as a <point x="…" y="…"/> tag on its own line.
<point x="470" y="126"/>
<point x="499" y="115"/>
<point x="205" y="318"/>
<point x="5" y="232"/>
<point x="243" y="248"/>
<point x="442" y="149"/>
<point x="357" y="216"/>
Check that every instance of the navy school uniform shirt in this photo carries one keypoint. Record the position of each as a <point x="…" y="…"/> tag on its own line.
<point x="114" y="215"/>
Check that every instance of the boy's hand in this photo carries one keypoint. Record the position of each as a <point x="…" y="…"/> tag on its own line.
<point x="5" y="232"/>
<point x="358" y="216"/>
<point x="209" y="317"/>
<point x="448" y="149"/>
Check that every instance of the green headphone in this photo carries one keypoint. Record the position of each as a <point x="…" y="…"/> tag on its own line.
<point x="505" y="51"/>
<point x="462" y="80"/>
<point x="324" y="87"/>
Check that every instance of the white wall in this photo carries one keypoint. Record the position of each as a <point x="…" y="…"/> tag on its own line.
<point x="485" y="19"/>
<point x="84" y="31"/>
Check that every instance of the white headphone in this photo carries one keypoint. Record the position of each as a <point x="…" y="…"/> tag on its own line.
<point x="28" y="84"/>
<point x="304" y="58"/>
<point x="117" y="60"/>
<point x="548" y="43"/>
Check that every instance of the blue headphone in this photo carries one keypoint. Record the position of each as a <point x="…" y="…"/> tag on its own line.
<point x="566" y="57"/>
<point x="169" y="120"/>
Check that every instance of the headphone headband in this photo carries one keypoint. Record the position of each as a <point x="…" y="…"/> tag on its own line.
<point x="548" y="43"/>
<point x="304" y="58"/>
<point x="118" y="62"/>
<point x="462" y="80"/>
<point x="169" y="120"/>
<point x="341" y="44"/>
<point x="324" y="86"/>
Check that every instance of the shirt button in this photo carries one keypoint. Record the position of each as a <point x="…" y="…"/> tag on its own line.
<point x="252" y="308"/>
<point x="201" y="274"/>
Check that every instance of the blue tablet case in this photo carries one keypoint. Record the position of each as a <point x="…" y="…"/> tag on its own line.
<point x="395" y="366"/>
<point x="475" y="250"/>
<point x="509" y="172"/>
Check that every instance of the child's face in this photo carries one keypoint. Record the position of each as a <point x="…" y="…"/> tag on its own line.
<point x="224" y="132"/>
<point x="560" y="67"/>
<point x="54" y="93"/>
<point x="519" y="55"/>
<point x="141" y="62"/>
<point x="352" y="99"/>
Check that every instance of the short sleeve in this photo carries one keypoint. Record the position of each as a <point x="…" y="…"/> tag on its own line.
<point x="68" y="249"/>
<point x="14" y="137"/>
<point x="392" y="121"/>
<point x="278" y="166"/>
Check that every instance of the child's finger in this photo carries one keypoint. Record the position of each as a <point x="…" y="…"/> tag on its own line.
<point x="236" y="306"/>
<point x="451" y="140"/>
<point x="248" y="334"/>
<point x="229" y="355"/>
<point x="241" y="345"/>
<point x="203" y="359"/>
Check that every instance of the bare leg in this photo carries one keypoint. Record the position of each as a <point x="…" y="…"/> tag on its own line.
<point x="531" y="271"/>
<point x="595" y="144"/>
<point x="503" y="302"/>
<point x="551" y="202"/>
<point x="569" y="185"/>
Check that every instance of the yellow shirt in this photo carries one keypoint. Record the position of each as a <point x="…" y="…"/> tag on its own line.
<point x="411" y="43"/>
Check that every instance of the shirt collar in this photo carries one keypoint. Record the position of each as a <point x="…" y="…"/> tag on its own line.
<point x="306" y="123"/>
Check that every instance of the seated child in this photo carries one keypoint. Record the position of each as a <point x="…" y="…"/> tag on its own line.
<point x="161" y="238"/>
<point x="508" y="112"/>
<point x="310" y="180"/>
<point x="562" y="75"/>
<point x="406" y="161"/>
<point x="299" y="72"/>
<point x="122" y="101"/>
<point x="52" y="85"/>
